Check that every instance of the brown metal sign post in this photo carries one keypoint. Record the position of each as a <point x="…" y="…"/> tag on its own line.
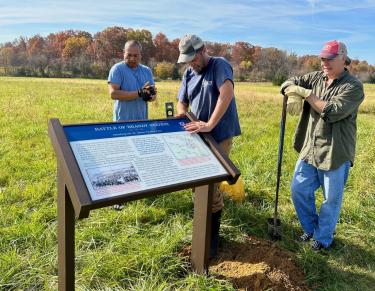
<point x="75" y="201"/>
<point x="200" y="246"/>
<point x="65" y="235"/>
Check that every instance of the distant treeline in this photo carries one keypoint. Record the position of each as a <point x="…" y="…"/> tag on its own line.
<point x="75" y="53"/>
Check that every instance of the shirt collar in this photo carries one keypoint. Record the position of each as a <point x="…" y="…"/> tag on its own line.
<point x="133" y="69"/>
<point x="344" y="73"/>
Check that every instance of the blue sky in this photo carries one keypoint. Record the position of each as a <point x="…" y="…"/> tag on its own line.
<point x="299" y="27"/>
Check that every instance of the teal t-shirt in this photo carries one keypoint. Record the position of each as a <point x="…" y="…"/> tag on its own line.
<point x="130" y="80"/>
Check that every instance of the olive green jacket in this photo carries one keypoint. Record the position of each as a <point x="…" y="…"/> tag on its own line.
<point x="326" y="140"/>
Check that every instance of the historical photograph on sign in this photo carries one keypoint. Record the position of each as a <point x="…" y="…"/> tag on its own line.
<point x="122" y="178"/>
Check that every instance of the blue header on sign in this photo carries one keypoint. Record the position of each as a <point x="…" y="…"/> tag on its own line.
<point x="118" y="129"/>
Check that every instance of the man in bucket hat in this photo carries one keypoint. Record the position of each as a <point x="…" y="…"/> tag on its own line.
<point x="207" y="87"/>
<point x="325" y="139"/>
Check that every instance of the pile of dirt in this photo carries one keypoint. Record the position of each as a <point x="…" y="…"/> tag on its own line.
<point x="257" y="264"/>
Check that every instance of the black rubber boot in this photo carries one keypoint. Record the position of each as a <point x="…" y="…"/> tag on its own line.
<point x="215" y="227"/>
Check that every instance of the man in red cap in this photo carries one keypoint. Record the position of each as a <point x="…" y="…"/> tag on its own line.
<point x="325" y="139"/>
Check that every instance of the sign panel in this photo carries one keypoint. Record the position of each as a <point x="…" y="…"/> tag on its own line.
<point x="121" y="158"/>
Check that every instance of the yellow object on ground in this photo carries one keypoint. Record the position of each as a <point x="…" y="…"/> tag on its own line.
<point x="236" y="191"/>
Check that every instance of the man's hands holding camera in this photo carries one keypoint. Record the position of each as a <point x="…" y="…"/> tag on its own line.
<point x="147" y="92"/>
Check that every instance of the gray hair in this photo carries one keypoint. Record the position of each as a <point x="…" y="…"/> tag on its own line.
<point x="131" y="43"/>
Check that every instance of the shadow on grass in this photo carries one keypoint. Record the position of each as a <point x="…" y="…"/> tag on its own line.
<point x="333" y="270"/>
<point x="175" y="202"/>
<point x="352" y="254"/>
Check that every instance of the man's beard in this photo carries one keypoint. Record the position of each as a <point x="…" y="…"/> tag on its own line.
<point x="197" y="69"/>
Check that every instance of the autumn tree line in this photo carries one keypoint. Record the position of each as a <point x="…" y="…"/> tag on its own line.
<point x="75" y="53"/>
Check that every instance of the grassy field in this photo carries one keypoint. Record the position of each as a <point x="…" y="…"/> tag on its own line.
<point x="136" y="248"/>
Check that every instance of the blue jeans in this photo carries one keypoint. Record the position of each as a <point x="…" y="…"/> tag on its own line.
<point x="306" y="180"/>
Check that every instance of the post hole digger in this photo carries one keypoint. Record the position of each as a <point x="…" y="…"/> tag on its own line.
<point x="274" y="223"/>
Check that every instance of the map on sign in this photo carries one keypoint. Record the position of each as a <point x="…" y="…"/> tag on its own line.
<point x="120" y="158"/>
<point x="187" y="149"/>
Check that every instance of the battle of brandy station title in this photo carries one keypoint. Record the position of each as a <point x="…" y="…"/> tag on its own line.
<point x="101" y="131"/>
<point x="131" y="126"/>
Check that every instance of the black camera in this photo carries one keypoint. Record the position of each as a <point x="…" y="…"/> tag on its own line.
<point x="152" y="90"/>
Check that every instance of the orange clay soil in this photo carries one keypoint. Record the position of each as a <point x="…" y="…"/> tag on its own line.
<point x="256" y="264"/>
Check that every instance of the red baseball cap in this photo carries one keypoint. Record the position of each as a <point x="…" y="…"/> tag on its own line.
<point x="332" y="49"/>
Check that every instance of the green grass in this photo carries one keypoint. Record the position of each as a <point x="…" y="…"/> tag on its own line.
<point x="136" y="248"/>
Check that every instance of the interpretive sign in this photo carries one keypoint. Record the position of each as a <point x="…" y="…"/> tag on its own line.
<point x="122" y="158"/>
<point x="108" y="163"/>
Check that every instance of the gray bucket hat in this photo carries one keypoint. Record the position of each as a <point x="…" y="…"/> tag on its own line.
<point x="188" y="47"/>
